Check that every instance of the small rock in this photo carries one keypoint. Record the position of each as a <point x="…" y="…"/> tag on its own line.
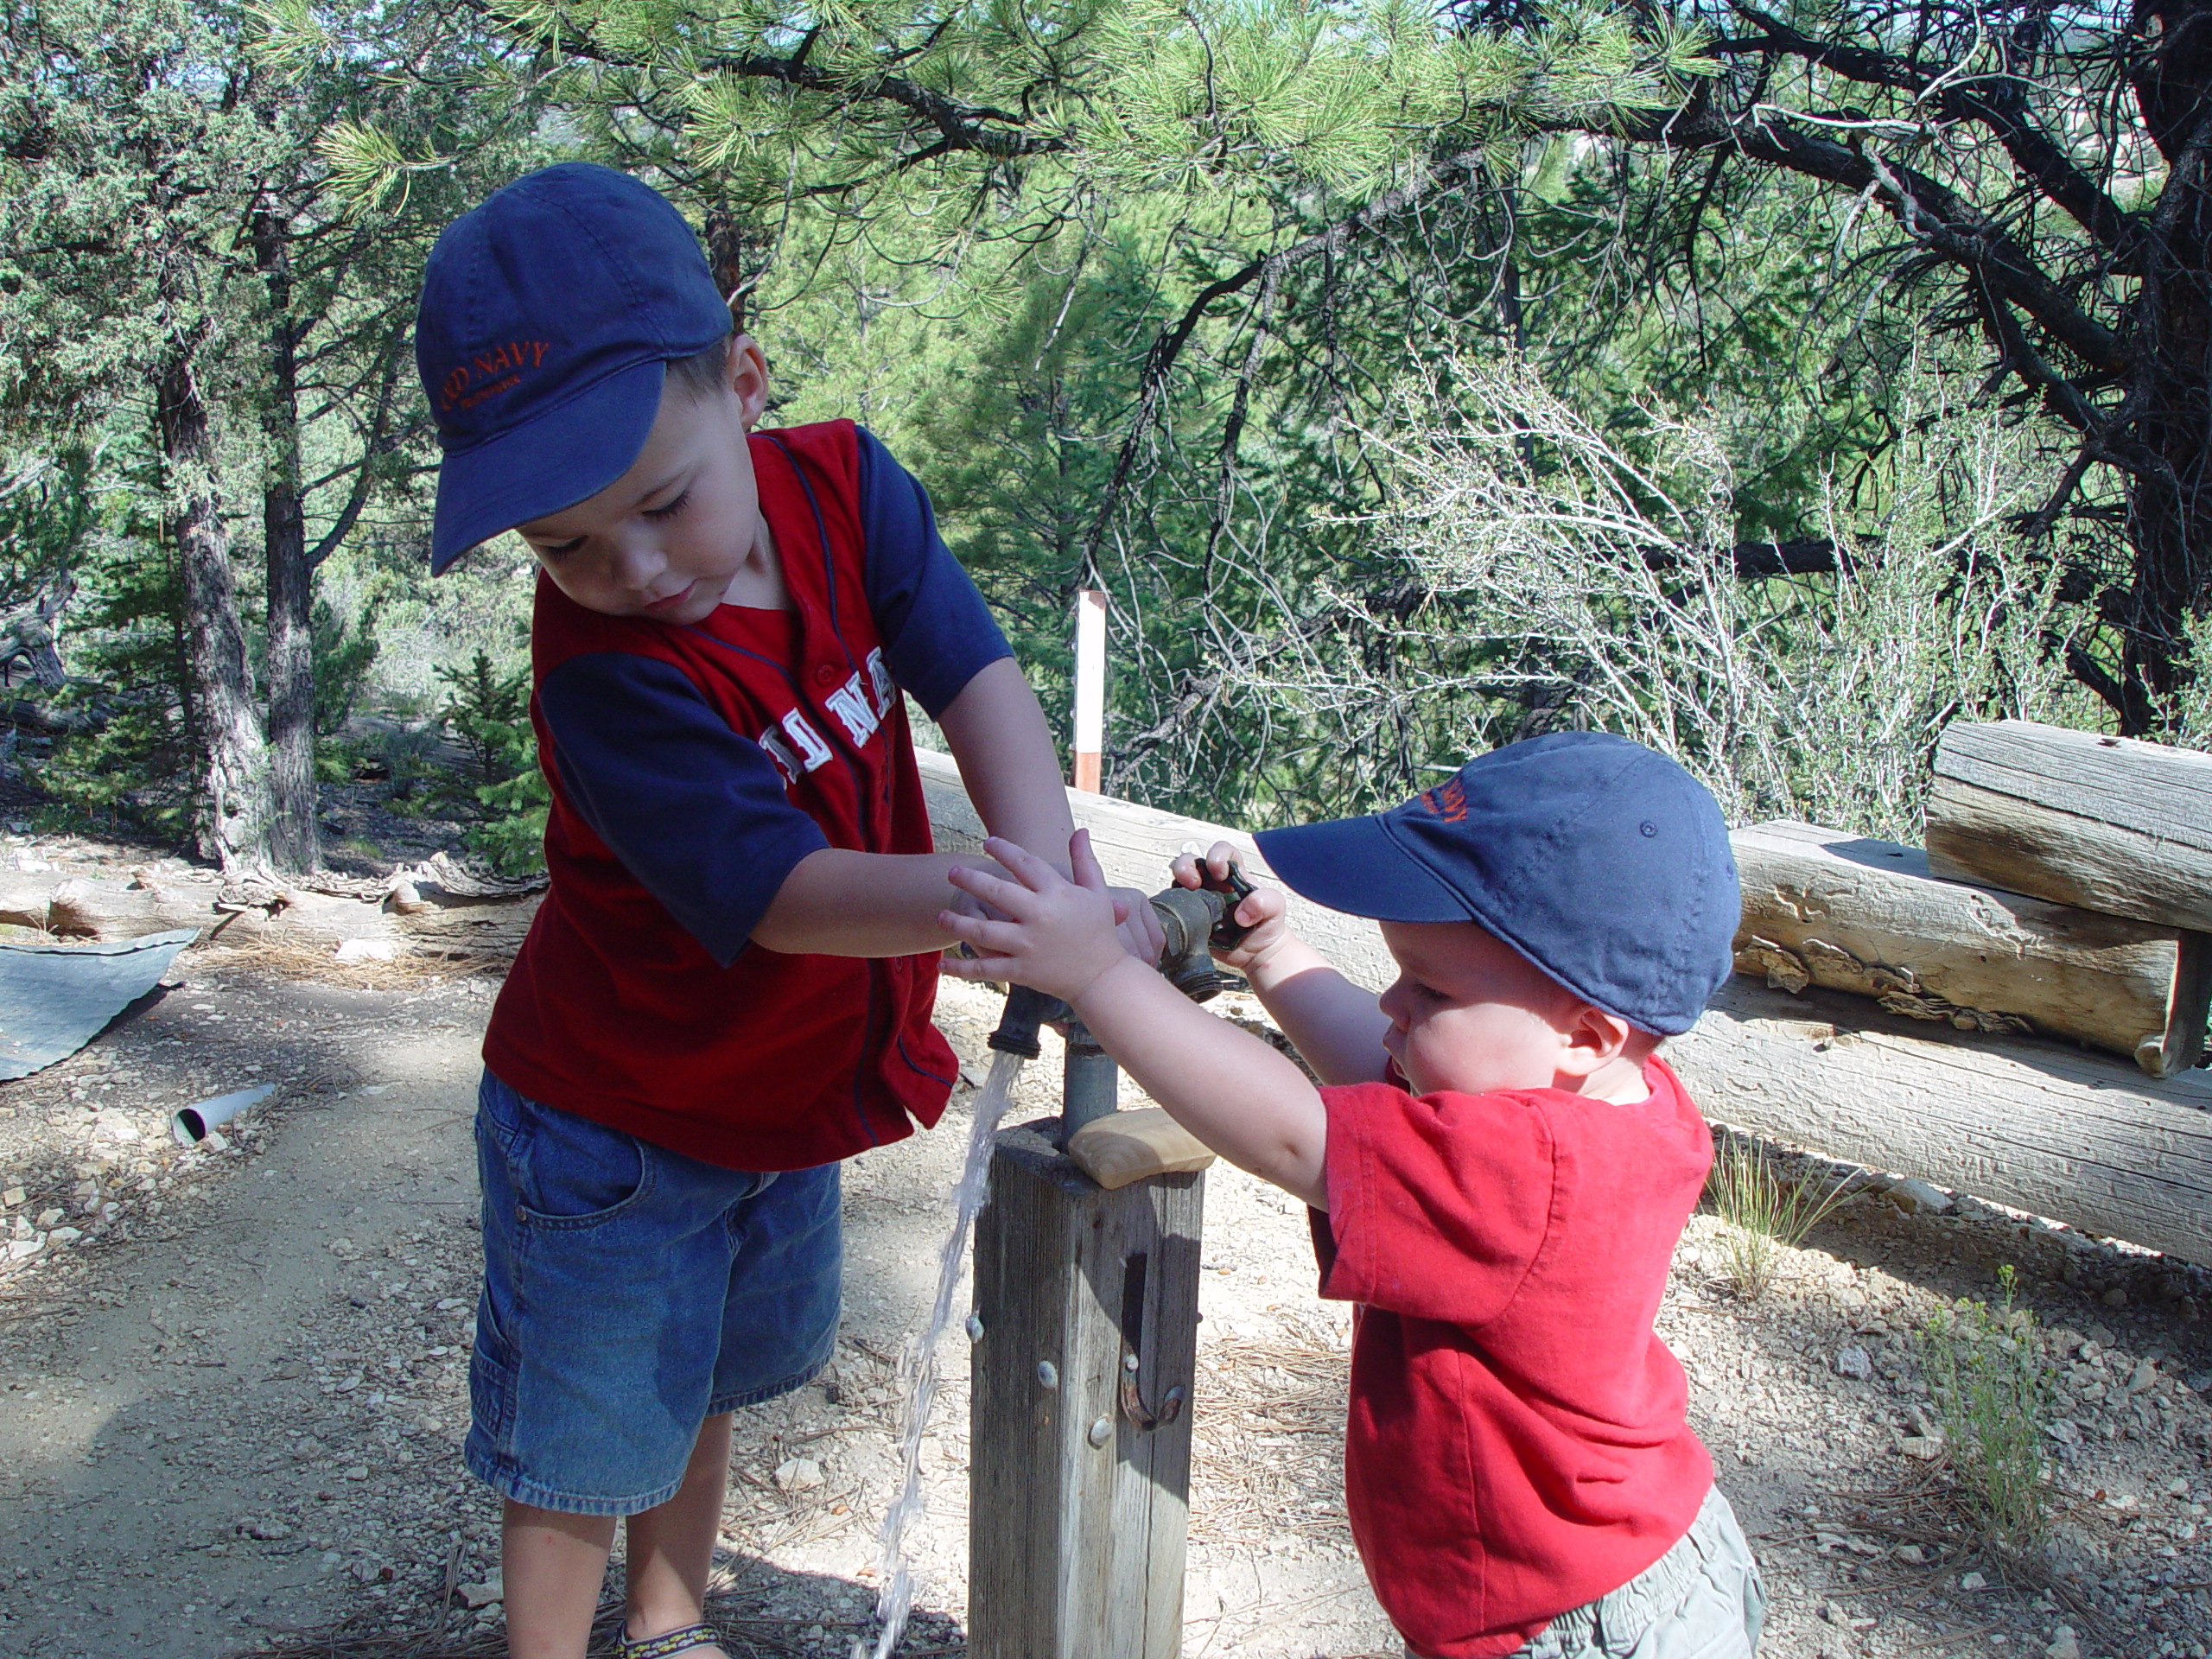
<point x="359" y="1472"/>
<point x="12" y="1197"/>
<point x="266" y="1531"/>
<point x="1913" y="1554"/>
<point x="366" y="951"/>
<point x="2064" y="1644"/>
<point x="1832" y="1611"/>
<point x="474" y="1596"/>
<point x="2115" y="1298"/>
<point x="48" y="1219"/>
<point x="2145" y="1373"/>
<point x="1918" y="1197"/>
<point x="2065" y="1431"/>
<point x="797" y="1475"/>
<point x="1973" y="1581"/>
<point x="1853" y="1361"/>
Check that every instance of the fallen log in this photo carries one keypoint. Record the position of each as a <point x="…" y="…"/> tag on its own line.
<point x="1824" y="907"/>
<point x="2108" y="824"/>
<point x="72" y="907"/>
<point x="2056" y="1131"/>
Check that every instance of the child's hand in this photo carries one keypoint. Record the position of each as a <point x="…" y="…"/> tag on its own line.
<point x="1143" y="936"/>
<point x="1262" y="911"/>
<point x="1056" y="937"/>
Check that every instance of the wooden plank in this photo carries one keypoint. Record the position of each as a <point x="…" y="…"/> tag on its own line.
<point x="2043" y="1128"/>
<point x="1075" y="1535"/>
<point x="1849" y="913"/>
<point x="2108" y="824"/>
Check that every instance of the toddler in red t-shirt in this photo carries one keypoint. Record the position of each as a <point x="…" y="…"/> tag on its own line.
<point x="1498" y="1163"/>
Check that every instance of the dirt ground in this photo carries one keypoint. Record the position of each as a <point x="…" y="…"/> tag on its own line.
<point x="235" y="1379"/>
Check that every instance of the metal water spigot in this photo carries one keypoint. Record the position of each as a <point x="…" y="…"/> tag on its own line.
<point x="1196" y="919"/>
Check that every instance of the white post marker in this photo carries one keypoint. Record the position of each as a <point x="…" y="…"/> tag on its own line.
<point x="1089" y="686"/>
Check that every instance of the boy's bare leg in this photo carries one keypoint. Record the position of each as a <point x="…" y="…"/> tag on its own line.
<point x="551" y="1567"/>
<point x="671" y="1547"/>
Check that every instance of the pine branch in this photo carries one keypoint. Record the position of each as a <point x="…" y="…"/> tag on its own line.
<point x="1933" y="214"/>
<point x="1997" y="103"/>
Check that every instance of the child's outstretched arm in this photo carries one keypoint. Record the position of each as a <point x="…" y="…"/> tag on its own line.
<point x="1240" y="1097"/>
<point x="998" y="736"/>
<point x="1338" y="1025"/>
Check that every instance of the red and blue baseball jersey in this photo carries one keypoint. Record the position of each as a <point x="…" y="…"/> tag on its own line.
<point x="691" y="769"/>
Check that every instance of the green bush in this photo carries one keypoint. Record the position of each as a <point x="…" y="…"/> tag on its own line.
<point x="1993" y="1388"/>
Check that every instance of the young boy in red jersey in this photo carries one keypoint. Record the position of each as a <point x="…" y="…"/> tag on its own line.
<point x="1499" y="1165"/>
<point x="728" y="986"/>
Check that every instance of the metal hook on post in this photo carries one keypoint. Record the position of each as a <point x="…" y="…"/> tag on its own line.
<point x="1134" y="1271"/>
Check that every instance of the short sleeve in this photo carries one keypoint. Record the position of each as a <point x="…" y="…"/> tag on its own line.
<point x="695" y="811"/>
<point x="1438" y="1204"/>
<point x="936" y="630"/>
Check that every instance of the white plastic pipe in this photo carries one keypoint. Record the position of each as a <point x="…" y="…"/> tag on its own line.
<point x="1089" y="686"/>
<point x="190" y="1124"/>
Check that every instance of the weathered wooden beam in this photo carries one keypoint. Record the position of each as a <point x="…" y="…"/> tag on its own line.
<point x="2108" y="824"/>
<point x="2045" y="1128"/>
<point x="1079" y="1444"/>
<point x="1849" y="913"/>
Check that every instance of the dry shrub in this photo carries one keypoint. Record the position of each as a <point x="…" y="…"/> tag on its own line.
<point x="1591" y="577"/>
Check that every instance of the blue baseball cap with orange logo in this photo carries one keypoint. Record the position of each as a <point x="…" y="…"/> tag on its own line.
<point x="1602" y="862"/>
<point x="548" y="314"/>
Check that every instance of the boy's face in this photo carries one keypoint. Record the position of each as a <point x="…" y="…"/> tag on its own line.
<point x="666" y="540"/>
<point x="1468" y="1013"/>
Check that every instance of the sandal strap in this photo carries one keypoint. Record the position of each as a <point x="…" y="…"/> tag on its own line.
<point x="676" y="1642"/>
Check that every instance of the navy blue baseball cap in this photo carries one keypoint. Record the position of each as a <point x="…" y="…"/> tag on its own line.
<point x="548" y="313"/>
<point x="1600" y="860"/>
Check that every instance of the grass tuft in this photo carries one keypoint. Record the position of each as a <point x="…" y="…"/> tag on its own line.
<point x="1766" y="1212"/>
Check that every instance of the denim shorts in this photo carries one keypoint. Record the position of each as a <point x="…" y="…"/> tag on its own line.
<point x="1702" y="1599"/>
<point x="630" y="1293"/>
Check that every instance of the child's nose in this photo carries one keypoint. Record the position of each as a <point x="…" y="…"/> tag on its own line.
<point x="639" y="560"/>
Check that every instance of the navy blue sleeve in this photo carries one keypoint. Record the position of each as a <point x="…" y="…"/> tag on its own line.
<point x="696" y="812"/>
<point x="937" y="631"/>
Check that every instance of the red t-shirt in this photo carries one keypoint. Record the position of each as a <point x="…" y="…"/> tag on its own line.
<point x="1517" y="1443"/>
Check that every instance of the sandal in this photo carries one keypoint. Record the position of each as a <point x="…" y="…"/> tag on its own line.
<point x="668" y="1646"/>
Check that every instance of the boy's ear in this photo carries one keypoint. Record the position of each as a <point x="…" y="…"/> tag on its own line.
<point x="1589" y="1036"/>
<point x="747" y="372"/>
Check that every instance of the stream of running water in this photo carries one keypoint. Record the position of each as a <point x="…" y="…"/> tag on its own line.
<point x="918" y="1368"/>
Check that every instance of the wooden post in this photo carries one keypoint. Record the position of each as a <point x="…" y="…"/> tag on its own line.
<point x="1089" y="687"/>
<point x="1079" y="1464"/>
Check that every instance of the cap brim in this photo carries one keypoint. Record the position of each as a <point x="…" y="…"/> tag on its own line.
<point x="568" y="455"/>
<point x="1353" y="865"/>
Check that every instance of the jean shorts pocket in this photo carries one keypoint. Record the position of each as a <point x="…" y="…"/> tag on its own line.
<point x="571" y="1173"/>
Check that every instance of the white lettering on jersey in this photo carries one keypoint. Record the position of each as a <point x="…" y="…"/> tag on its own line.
<point x="880" y="682"/>
<point x="784" y="755"/>
<point x="850" y="704"/>
<point x="810" y="743"/>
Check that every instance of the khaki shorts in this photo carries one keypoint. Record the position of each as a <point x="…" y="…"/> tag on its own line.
<point x="1702" y="1599"/>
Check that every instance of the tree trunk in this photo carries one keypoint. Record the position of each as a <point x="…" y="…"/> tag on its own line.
<point x="234" y="829"/>
<point x="293" y="831"/>
<point x="2169" y="505"/>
